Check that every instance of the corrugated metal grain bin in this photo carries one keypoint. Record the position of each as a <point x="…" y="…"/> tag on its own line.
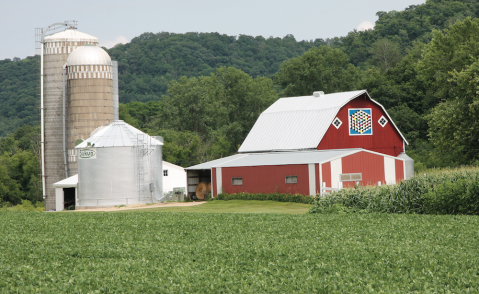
<point x="119" y="165"/>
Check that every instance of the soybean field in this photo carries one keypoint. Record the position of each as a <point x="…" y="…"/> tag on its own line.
<point x="174" y="252"/>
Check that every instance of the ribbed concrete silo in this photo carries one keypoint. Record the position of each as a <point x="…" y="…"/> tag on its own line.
<point x="90" y="96"/>
<point x="119" y="165"/>
<point x="56" y="49"/>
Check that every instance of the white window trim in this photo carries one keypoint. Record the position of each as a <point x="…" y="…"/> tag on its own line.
<point x="340" y="123"/>
<point x="350" y="175"/>
<point x="292" y="177"/>
<point x="382" y="117"/>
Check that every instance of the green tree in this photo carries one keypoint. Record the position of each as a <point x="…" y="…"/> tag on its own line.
<point x="449" y="51"/>
<point x="454" y="123"/>
<point x="319" y="69"/>
<point x="238" y="101"/>
<point x="385" y="54"/>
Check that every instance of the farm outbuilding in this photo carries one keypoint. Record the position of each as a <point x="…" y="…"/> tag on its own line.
<point x="302" y="172"/>
<point x="119" y="165"/>
<point x="174" y="176"/>
<point x="310" y="145"/>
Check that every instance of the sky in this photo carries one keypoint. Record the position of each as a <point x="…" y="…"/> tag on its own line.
<point x="119" y="21"/>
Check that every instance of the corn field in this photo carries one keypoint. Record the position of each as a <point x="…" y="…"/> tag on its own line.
<point x="411" y="196"/>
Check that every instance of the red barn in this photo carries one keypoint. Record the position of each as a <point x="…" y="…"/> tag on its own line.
<point x="301" y="144"/>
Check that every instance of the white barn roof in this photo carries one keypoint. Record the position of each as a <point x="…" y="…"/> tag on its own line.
<point x="117" y="134"/>
<point x="297" y="123"/>
<point x="280" y="158"/>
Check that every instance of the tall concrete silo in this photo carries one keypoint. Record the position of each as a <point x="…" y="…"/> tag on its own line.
<point x="90" y="96"/>
<point x="65" y="116"/>
<point x="119" y="165"/>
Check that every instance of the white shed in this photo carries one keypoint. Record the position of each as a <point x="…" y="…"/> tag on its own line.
<point x="174" y="176"/>
<point x="66" y="193"/>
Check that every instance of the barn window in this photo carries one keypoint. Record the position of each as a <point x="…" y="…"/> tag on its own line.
<point x="165" y="172"/>
<point x="291" y="179"/>
<point x="382" y="121"/>
<point x="337" y="123"/>
<point x="237" y="181"/>
<point x="351" y="177"/>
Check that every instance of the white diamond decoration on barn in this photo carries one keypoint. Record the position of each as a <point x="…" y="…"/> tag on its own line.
<point x="337" y="123"/>
<point x="382" y="121"/>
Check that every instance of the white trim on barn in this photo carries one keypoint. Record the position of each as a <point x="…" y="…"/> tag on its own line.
<point x="389" y="171"/>
<point x="312" y="179"/>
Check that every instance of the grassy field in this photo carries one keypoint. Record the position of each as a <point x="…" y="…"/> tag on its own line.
<point x="168" y="252"/>
<point x="237" y="206"/>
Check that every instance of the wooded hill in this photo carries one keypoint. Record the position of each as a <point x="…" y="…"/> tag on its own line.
<point x="203" y="91"/>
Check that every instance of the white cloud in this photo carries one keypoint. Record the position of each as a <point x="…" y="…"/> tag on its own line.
<point x="119" y="39"/>
<point x="365" y="25"/>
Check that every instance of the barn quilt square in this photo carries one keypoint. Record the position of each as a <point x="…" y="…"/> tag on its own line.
<point x="360" y="121"/>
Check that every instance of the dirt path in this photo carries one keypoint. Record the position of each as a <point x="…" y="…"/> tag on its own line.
<point x="140" y="206"/>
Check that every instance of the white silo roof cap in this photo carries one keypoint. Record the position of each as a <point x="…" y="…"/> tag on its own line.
<point x="88" y="54"/>
<point x="117" y="134"/>
<point x="70" y="35"/>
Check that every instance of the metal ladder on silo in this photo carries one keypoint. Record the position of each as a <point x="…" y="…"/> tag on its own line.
<point x="140" y="153"/>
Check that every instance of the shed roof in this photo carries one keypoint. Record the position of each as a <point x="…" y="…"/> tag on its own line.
<point x="280" y="158"/>
<point x="70" y="182"/>
<point x="297" y="123"/>
<point x="117" y="134"/>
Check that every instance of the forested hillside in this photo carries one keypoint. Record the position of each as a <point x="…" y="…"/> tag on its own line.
<point x="203" y="91"/>
<point x="19" y="102"/>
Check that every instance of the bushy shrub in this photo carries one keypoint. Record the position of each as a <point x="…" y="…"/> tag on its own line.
<point x="25" y="206"/>
<point x="299" y="198"/>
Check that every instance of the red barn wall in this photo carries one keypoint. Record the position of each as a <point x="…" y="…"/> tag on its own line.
<point x="326" y="173"/>
<point x="370" y="165"/>
<point x="316" y="173"/>
<point x="213" y="182"/>
<point x="399" y="171"/>
<point x="266" y="179"/>
<point x="383" y="140"/>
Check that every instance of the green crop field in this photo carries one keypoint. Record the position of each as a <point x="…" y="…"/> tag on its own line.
<point x="166" y="252"/>
<point x="236" y="206"/>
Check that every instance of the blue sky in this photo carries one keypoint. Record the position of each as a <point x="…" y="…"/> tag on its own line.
<point x="120" y="20"/>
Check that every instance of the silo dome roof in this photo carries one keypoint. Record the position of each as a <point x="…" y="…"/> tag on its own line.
<point x="88" y="54"/>
<point x="118" y="134"/>
<point x="71" y="35"/>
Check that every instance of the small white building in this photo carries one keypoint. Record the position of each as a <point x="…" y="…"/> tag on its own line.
<point x="65" y="193"/>
<point x="174" y="176"/>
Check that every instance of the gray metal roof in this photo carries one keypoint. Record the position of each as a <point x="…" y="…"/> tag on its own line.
<point x="297" y="123"/>
<point x="88" y="54"/>
<point x="117" y="134"/>
<point x="277" y="158"/>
